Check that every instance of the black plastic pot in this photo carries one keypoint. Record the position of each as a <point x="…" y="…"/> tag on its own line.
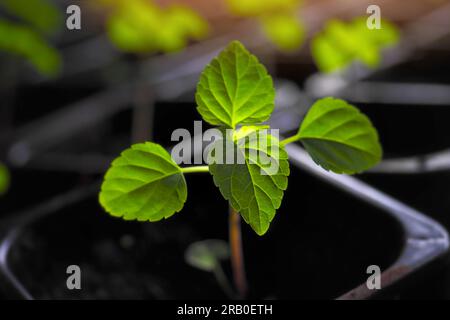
<point x="313" y="249"/>
<point x="428" y="192"/>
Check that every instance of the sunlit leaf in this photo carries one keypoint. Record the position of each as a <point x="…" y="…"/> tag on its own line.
<point x="143" y="184"/>
<point x="339" y="137"/>
<point x="207" y="254"/>
<point x="254" y="186"/>
<point x="24" y="42"/>
<point x="284" y="30"/>
<point x="235" y="89"/>
<point x="4" y="179"/>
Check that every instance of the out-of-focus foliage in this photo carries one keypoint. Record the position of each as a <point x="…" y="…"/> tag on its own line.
<point x="23" y="41"/>
<point x="142" y="26"/>
<point x="251" y="8"/>
<point x="277" y="19"/>
<point x="40" y="14"/>
<point x="339" y="44"/>
<point x="26" y="38"/>
<point x="284" y="30"/>
<point x="4" y="178"/>
<point x="207" y="254"/>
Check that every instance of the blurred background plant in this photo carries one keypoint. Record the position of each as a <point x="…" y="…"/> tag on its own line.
<point x="4" y="179"/>
<point x="340" y="43"/>
<point x="278" y="20"/>
<point x="142" y="26"/>
<point x="207" y="255"/>
<point x="25" y="26"/>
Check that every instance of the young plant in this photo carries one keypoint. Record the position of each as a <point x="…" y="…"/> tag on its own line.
<point x="277" y="20"/>
<point x="340" y="43"/>
<point x="236" y="94"/>
<point x="141" y="26"/>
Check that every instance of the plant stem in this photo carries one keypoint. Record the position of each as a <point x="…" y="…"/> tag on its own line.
<point x="290" y="140"/>
<point x="237" y="256"/>
<point x="195" y="169"/>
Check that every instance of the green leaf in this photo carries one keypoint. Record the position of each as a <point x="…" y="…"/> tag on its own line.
<point x="143" y="183"/>
<point x="284" y="30"/>
<point x="4" y="179"/>
<point x="235" y="89"/>
<point x="339" y="137"/>
<point x="206" y="255"/>
<point x="254" y="186"/>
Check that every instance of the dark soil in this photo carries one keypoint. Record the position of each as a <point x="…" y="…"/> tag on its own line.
<point x="318" y="246"/>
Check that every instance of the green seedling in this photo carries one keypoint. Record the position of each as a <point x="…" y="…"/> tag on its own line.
<point x="235" y="92"/>
<point x="140" y="26"/>
<point x="277" y="19"/>
<point x="340" y="44"/>
<point x="207" y="255"/>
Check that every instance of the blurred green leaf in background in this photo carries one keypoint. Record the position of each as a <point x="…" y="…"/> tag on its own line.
<point x="340" y="43"/>
<point x="25" y="36"/>
<point x="284" y="30"/>
<point x="251" y="8"/>
<point x="4" y="179"/>
<point x="277" y="19"/>
<point x="207" y="254"/>
<point x="26" y="43"/>
<point x="141" y="26"/>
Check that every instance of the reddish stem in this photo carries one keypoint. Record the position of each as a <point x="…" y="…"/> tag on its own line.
<point x="237" y="256"/>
